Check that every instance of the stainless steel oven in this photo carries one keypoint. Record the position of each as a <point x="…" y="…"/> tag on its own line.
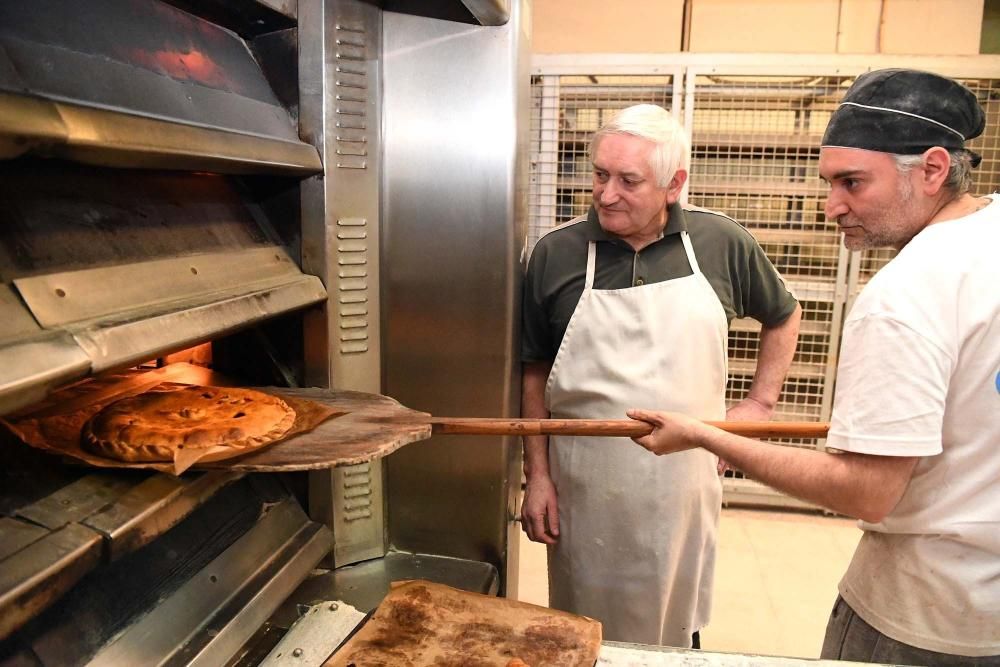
<point x="325" y="193"/>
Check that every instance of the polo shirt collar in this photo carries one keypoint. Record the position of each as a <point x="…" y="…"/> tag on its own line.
<point x="676" y="223"/>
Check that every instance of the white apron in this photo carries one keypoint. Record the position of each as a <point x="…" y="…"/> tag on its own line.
<point x="637" y="532"/>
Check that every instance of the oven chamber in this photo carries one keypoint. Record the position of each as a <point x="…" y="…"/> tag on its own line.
<point x="331" y="194"/>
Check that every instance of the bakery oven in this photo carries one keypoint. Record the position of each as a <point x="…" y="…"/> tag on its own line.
<point x="263" y="193"/>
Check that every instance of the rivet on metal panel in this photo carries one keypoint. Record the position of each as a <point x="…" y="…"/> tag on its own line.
<point x="334" y="606"/>
<point x="297" y="653"/>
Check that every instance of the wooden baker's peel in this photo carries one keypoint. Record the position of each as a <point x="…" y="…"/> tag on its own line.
<point x="627" y="428"/>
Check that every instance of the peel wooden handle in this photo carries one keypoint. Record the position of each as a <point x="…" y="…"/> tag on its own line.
<point x="627" y="428"/>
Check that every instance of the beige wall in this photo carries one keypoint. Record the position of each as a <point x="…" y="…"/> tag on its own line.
<point x="606" y="26"/>
<point x="939" y="27"/>
<point x="796" y="26"/>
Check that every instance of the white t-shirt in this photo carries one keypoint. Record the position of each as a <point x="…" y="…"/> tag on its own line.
<point x="919" y="375"/>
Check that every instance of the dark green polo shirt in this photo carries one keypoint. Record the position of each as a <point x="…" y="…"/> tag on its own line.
<point x="742" y="276"/>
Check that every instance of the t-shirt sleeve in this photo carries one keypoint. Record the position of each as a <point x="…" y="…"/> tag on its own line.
<point x="536" y="334"/>
<point x="766" y="297"/>
<point x="891" y="387"/>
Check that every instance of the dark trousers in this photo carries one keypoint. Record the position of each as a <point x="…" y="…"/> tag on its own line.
<point x="848" y="637"/>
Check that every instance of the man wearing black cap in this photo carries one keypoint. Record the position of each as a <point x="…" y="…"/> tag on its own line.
<point x="915" y="430"/>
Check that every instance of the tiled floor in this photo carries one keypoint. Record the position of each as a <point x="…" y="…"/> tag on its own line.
<point x="775" y="582"/>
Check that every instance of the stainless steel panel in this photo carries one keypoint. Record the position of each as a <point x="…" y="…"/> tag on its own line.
<point x="489" y="12"/>
<point x="455" y="117"/>
<point x="351" y="500"/>
<point x="160" y="285"/>
<point x="339" y="112"/>
<point x="218" y="644"/>
<point x="116" y="139"/>
<point x="141" y="56"/>
<point x="365" y="584"/>
<point x="139" y="83"/>
<point x="289" y="8"/>
<point x="117" y="346"/>
<point x="15" y="320"/>
<point x="35" y="576"/>
<point x="31" y="368"/>
<point x="160" y="636"/>
<point x="32" y="361"/>
<point x="26" y="123"/>
<point x="315" y="635"/>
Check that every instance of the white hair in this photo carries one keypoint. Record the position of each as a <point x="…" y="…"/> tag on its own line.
<point x="657" y="125"/>
<point x="959" y="179"/>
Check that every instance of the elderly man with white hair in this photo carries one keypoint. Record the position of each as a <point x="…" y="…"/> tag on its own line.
<point x="627" y="306"/>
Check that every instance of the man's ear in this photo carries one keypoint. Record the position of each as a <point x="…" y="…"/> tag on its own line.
<point x="937" y="164"/>
<point x="675" y="186"/>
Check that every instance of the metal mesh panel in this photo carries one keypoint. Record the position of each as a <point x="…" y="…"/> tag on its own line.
<point x="566" y="111"/>
<point x="755" y="155"/>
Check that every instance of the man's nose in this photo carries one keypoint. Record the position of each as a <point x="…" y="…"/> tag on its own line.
<point x="607" y="192"/>
<point x="834" y="207"/>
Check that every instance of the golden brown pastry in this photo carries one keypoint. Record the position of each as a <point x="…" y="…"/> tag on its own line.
<point x="154" y="425"/>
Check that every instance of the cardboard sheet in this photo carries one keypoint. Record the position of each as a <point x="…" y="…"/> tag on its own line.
<point x="420" y="623"/>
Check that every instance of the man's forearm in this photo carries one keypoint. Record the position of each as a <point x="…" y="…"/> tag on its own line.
<point x="858" y="485"/>
<point x="536" y="447"/>
<point x="776" y="350"/>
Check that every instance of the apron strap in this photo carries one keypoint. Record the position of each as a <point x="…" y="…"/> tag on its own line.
<point x="689" y="249"/>
<point x="591" y="264"/>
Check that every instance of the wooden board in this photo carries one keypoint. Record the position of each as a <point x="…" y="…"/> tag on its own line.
<point x="424" y="624"/>
<point x="372" y="425"/>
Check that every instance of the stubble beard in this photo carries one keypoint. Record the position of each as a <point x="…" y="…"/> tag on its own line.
<point x="888" y="226"/>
